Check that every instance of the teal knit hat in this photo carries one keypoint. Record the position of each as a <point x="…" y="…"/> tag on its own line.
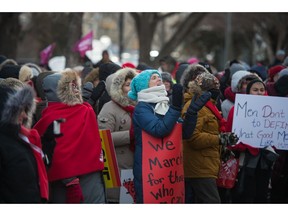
<point x="141" y="82"/>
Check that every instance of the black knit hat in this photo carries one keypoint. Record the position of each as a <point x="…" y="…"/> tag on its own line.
<point x="106" y="69"/>
<point x="249" y="85"/>
<point x="10" y="71"/>
<point x="281" y="86"/>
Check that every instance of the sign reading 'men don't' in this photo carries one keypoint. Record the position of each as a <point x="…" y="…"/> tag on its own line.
<point x="261" y="121"/>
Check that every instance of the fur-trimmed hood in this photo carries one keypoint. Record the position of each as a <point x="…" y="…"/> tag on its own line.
<point x="69" y="88"/>
<point x="118" y="81"/>
<point x="7" y="62"/>
<point x="203" y="82"/>
<point x="63" y="87"/>
<point x="190" y="73"/>
<point x="13" y="102"/>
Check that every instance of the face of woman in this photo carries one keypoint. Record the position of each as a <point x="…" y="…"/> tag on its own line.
<point x="155" y="80"/>
<point x="257" y="89"/>
<point x="126" y="86"/>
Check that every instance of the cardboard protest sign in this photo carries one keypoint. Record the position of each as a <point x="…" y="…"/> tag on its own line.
<point x="162" y="168"/>
<point x="110" y="172"/>
<point x="127" y="191"/>
<point x="261" y="121"/>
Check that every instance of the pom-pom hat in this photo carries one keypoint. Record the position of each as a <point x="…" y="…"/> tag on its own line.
<point x="141" y="82"/>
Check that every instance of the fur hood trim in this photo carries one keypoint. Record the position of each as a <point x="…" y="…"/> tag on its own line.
<point x="16" y="102"/>
<point x="118" y="81"/>
<point x="7" y="61"/>
<point x="25" y="74"/>
<point x="69" y="88"/>
<point x="203" y="82"/>
<point x="190" y="73"/>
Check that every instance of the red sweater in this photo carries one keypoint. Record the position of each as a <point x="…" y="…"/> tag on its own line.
<point x="79" y="150"/>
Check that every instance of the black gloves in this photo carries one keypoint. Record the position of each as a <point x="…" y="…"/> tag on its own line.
<point x="226" y="154"/>
<point x="98" y="91"/>
<point x="228" y="139"/>
<point x="197" y="104"/>
<point x="48" y="140"/>
<point x="177" y="95"/>
<point x="190" y="120"/>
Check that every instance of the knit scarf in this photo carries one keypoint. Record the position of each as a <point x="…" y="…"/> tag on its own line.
<point x="129" y="109"/>
<point x="32" y="137"/>
<point x="222" y="122"/>
<point x="158" y="95"/>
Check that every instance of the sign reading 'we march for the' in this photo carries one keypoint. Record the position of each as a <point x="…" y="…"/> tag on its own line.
<point x="261" y="121"/>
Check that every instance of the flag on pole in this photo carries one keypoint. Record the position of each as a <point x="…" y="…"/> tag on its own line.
<point x="84" y="44"/>
<point x="46" y="54"/>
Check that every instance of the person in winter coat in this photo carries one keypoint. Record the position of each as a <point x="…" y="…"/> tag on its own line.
<point x="116" y="116"/>
<point x="201" y="152"/>
<point x="239" y="81"/>
<point x="152" y="114"/>
<point x="255" y="163"/>
<point x="23" y="177"/>
<point x="279" y="180"/>
<point x="273" y="73"/>
<point x="75" y="174"/>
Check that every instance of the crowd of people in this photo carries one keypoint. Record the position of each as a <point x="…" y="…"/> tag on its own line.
<point x="50" y="148"/>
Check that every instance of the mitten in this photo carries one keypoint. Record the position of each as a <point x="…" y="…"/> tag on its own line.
<point x="98" y="91"/>
<point x="228" y="139"/>
<point x="177" y="95"/>
<point x="73" y="190"/>
<point x="197" y="104"/>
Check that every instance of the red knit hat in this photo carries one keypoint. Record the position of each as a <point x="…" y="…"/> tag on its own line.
<point x="128" y="64"/>
<point x="274" y="70"/>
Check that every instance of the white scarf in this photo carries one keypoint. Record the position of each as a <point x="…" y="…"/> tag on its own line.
<point x="156" y="95"/>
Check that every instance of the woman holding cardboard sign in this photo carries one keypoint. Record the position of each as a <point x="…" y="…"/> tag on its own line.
<point x="154" y="116"/>
<point x="255" y="163"/>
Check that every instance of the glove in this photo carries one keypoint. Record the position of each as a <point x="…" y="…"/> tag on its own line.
<point x="197" y="104"/>
<point x="73" y="190"/>
<point x="48" y="142"/>
<point x="98" y="91"/>
<point x="226" y="154"/>
<point x="228" y="139"/>
<point x="177" y="95"/>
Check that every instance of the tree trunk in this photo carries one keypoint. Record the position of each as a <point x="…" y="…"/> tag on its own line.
<point x="74" y="34"/>
<point x="9" y="36"/>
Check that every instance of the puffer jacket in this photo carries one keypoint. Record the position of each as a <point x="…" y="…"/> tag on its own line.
<point x="156" y="125"/>
<point x="201" y="153"/>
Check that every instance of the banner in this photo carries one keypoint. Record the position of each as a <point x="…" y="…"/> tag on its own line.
<point x="84" y="44"/>
<point x="261" y="121"/>
<point x="46" y="54"/>
<point x="162" y="168"/>
<point x="110" y="172"/>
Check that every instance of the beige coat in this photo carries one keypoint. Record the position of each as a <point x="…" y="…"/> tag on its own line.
<point x="115" y="118"/>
